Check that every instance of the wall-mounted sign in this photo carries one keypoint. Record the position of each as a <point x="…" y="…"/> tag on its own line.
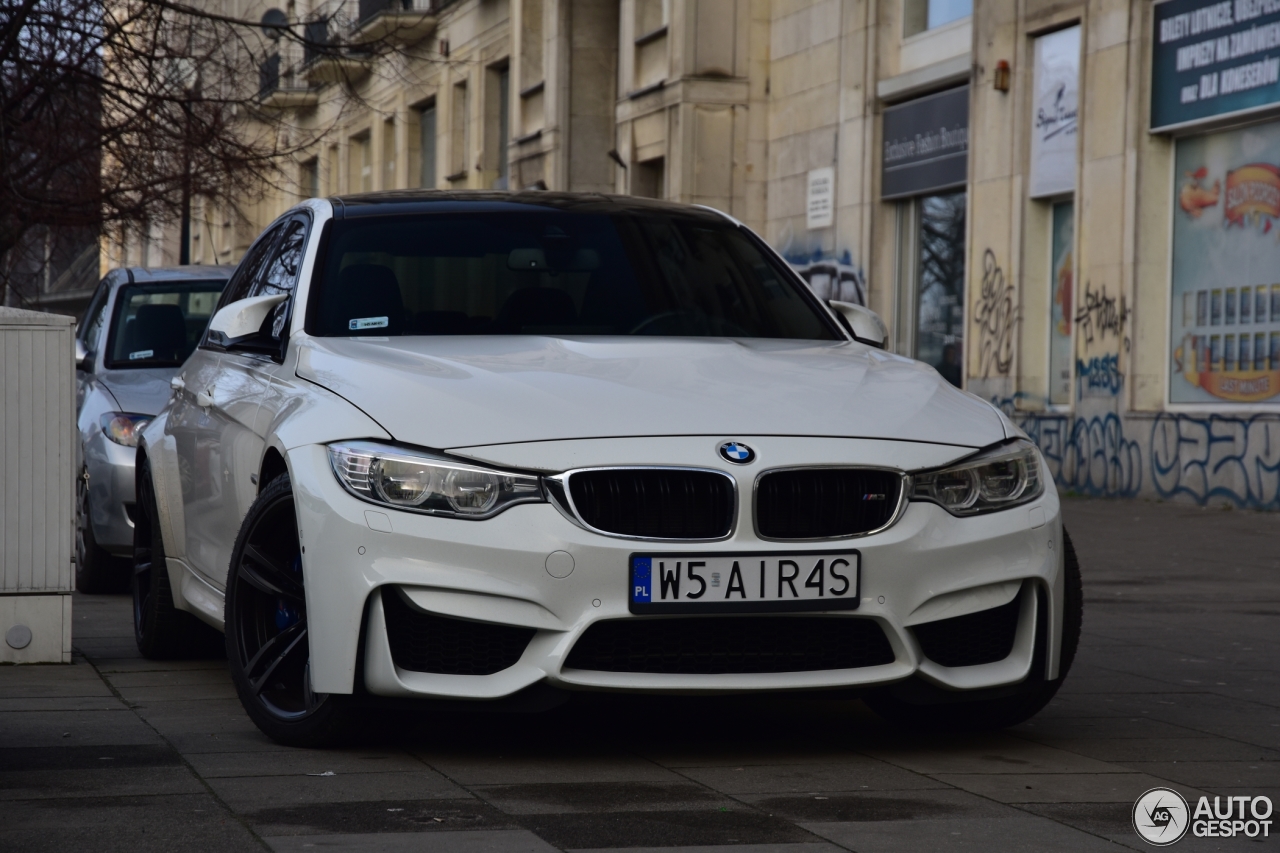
<point x="926" y="145"/>
<point x="820" y="203"/>
<point x="1054" y="113"/>
<point x="1211" y="60"/>
<point x="1225" y="317"/>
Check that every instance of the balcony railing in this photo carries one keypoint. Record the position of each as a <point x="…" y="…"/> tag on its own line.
<point x="280" y="78"/>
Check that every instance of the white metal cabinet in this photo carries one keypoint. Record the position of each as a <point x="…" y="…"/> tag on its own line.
<point x="37" y="464"/>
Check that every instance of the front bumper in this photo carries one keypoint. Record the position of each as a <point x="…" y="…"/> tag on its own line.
<point x="111" y="491"/>
<point x="928" y="566"/>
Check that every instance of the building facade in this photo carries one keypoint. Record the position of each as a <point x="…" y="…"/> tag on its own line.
<point x="1067" y="208"/>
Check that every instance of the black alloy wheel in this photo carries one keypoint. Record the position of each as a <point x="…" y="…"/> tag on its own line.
<point x="266" y="628"/>
<point x="97" y="571"/>
<point x="953" y="713"/>
<point x="160" y="629"/>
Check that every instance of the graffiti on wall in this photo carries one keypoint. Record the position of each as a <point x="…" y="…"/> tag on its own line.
<point x="831" y="277"/>
<point x="995" y="316"/>
<point x="1101" y="321"/>
<point x="1204" y="459"/>
<point x="1099" y="375"/>
<point x="1102" y="315"/>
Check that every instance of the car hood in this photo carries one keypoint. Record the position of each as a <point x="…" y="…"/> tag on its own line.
<point x="143" y="391"/>
<point x="445" y="392"/>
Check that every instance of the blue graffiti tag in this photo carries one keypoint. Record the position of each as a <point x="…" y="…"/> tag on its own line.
<point x="1090" y="456"/>
<point x="1099" y="375"/>
<point x="1236" y="459"/>
<point x="1200" y="459"/>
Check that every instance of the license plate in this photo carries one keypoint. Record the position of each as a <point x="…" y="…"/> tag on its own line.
<point x="745" y="582"/>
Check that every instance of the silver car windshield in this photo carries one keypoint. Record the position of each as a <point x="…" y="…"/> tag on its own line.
<point x="558" y="273"/>
<point x="159" y="325"/>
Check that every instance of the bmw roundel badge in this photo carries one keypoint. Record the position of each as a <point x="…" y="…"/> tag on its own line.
<point x="737" y="452"/>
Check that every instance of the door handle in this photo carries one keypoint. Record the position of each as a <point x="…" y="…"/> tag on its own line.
<point x="204" y="400"/>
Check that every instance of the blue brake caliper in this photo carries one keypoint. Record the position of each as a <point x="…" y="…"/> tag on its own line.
<point x="286" y="614"/>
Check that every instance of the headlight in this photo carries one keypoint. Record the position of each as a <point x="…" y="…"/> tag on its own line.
<point x="994" y="479"/>
<point x="421" y="482"/>
<point x="122" y="427"/>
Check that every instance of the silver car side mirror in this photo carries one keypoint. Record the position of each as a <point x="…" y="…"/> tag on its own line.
<point x="84" y="358"/>
<point x="866" y="324"/>
<point x="245" y="316"/>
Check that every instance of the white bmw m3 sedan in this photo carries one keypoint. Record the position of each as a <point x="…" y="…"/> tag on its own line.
<point x="476" y="446"/>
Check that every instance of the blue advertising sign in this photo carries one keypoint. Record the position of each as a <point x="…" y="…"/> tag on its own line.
<point x="1211" y="60"/>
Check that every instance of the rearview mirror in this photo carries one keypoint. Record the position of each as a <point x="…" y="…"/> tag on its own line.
<point x="245" y="316"/>
<point x="84" y="358"/>
<point x="866" y="325"/>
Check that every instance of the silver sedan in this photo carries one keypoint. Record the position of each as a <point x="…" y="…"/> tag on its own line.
<point x="140" y="327"/>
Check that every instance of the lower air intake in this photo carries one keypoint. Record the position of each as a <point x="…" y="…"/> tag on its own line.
<point x="731" y="644"/>
<point x="425" y="642"/>
<point x="983" y="637"/>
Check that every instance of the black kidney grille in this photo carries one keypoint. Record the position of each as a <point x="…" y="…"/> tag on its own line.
<point x="425" y="642"/>
<point x="982" y="637"/>
<point x="730" y="644"/>
<point x="820" y="503"/>
<point x="657" y="503"/>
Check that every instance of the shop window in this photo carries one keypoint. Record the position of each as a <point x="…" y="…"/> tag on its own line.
<point x="921" y="15"/>
<point x="931" y="282"/>
<point x="1061" y="301"/>
<point x="1225" y="302"/>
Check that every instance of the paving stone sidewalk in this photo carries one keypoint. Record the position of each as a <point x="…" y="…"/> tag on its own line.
<point x="1177" y="683"/>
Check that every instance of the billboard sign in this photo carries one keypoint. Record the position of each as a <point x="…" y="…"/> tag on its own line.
<point x="1213" y="60"/>
<point x="1225" y="323"/>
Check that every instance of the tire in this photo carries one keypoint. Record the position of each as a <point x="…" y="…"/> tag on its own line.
<point x="97" y="571"/>
<point x="266" y="629"/>
<point x="1008" y="708"/>
<point x="161" y="631"/>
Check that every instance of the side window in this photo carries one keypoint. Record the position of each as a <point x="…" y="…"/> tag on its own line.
<point x="94" y="317"/>
<point x="246" y="273"/>
<point x="281" y="272"/>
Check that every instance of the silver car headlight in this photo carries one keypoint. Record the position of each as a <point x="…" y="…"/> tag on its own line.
<point x="419" y="481"/>
<point x="994" y="479"/>
<point x="123" y="427"/>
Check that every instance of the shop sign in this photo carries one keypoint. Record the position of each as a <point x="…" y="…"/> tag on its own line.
<point x="1212" y="60"/>
<point x="1054" y="113"/>
<point x="926" y="145"/>
<point x="820" y="204"/>
<point x="1226" y="269"/>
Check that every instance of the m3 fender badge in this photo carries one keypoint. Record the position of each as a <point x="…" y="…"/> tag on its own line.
<point x="737" y="453"/>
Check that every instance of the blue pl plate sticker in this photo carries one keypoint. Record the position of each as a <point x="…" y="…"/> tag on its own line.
<point x="641" y="574"/>
<point x="368" y="323"/>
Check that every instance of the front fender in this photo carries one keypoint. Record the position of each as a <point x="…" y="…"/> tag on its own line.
<point x="162" y="451"/>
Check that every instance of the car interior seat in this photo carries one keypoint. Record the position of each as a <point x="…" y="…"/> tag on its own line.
<point x="159" y="328"/>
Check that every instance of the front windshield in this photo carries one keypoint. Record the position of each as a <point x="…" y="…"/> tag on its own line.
<point x="159" y="325"/>
<point x="556" y="273"/>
